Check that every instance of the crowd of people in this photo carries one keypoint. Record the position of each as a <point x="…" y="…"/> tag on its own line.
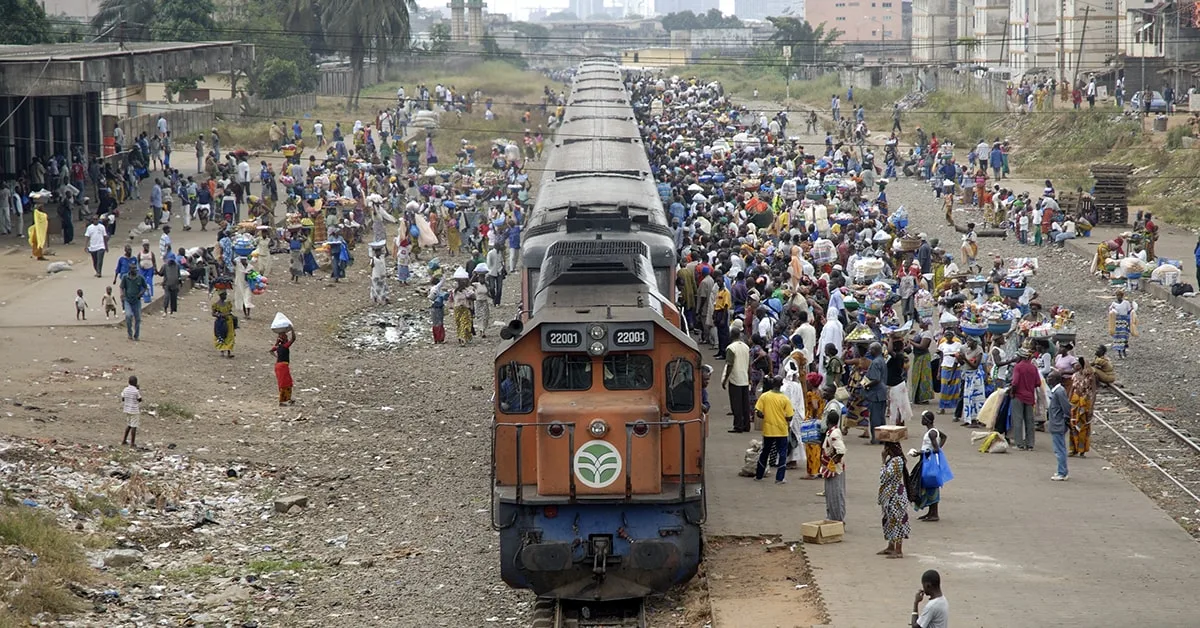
<point x="832" y="316"/>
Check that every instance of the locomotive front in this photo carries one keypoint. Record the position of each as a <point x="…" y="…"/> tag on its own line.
<point x="598" y="441"/>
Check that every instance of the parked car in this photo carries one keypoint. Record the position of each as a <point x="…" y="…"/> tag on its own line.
<point x="1158" y="104"/>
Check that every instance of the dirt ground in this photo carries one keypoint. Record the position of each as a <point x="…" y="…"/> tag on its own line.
<point x="390" y="446"/>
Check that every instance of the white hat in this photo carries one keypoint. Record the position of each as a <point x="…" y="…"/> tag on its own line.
<point x="481" y="267"/>
<point x="461" y="273"/>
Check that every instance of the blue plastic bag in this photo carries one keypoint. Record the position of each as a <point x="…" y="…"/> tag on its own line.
<point x="935" y="471"/>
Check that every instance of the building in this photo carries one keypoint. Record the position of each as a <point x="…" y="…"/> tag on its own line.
<point x="861" y="21"/>
<point x="584" y="9"/>
<point x="663" y="7"/>
<point x="934" y="29"/>
<point x="982" y="32"/>
<point x="762" y="9"/>
<point x="654" y="57"/>
<point x="52" y="97"/>
<point x="71" y="8"/>
<point x="1066" y="40"/>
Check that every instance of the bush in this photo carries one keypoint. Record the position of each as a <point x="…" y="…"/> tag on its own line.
<point x="1175" y="136"/>
<point x="31" y="587"/>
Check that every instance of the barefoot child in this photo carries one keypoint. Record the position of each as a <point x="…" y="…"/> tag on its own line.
<point x="108" y="302"/>
<point x="80" y="306"/>
<point x="131" y="400"/>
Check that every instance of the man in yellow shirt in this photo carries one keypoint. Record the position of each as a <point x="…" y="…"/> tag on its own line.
<point x="775" y="409"/>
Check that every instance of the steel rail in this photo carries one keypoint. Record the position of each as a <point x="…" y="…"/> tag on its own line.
<point x="1162" y="422"/>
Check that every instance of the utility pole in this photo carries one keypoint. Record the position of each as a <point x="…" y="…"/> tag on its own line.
<point x="1178" y="58"/>
<point x="1062" y="45"/>
<point x="1079" y="54"/>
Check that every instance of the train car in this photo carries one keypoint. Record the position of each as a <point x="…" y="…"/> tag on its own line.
<point x="598" y="163"/>
<point x="598" y="435"/>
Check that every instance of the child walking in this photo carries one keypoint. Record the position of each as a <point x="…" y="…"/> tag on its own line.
<point x="108" y="302"/>
<point x="283" y="369"/>
<point x="131" y="400"/>
<point x="80" y="306"/>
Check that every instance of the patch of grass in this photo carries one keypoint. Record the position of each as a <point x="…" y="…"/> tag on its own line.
<point x="90" y="504"/>
<point x="262" y="566"/>
<point x="511" y="89"/>
<point x="1175" y="136"/>
<point x="172" y="410"/>
<point x="31" y="587"/>
<point x="113" y="523"/>
<point x="191" y="573"/>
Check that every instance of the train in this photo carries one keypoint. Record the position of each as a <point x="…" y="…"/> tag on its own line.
<point x="598" y="431"/>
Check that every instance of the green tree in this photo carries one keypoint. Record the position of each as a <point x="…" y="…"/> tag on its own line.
<point x="715" y="19"/>
<point x="24" y="22"/>
<point x="356" y="28"/>
<point x="183" y="20"/>
<point x="536" y="34"/>
<point x="260" y="22"/>
<point x="808" y="44"/>
<point x="439" y="37"/>
<point x="129" y="20"/>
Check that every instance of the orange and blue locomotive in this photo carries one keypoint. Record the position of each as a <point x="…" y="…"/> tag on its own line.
<point x="598" y="437"/>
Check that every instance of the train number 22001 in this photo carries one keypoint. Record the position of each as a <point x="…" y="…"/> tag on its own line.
<point x="630" y="337"/>
<point x="567" y="338"/>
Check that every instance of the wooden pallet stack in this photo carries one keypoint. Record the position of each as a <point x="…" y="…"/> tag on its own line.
<point x="1111" y="197"/>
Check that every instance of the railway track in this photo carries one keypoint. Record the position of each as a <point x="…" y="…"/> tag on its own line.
<point x="1170" y="450"/>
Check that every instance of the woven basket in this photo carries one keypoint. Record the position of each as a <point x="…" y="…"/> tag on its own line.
<point x="909" y="245"/>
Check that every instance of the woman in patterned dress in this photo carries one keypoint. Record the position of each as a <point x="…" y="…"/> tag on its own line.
<point x="893" y="500"/>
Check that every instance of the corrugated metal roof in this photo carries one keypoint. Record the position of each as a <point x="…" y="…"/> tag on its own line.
<point x="80" y="52"/>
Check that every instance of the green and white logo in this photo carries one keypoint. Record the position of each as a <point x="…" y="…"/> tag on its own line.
<point x="597" y="464"/>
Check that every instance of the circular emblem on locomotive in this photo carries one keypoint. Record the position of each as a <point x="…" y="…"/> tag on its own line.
<point x="597" y="464"/>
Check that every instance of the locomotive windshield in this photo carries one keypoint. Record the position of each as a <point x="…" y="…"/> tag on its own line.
<point x="628" y="371"/>
<point x="567" y="372"/>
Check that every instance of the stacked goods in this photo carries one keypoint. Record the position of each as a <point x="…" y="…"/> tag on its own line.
<point x="1111" y="197"/>
<point x="1063" y="324"/>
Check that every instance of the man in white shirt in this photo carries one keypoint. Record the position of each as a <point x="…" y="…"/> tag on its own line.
<point x="936" y="613"/>
<point x="495" y="276"/>
<point x="808" y="339"/>
<point x="1035" y="217"/>
<point x="97" y="243"/>
<point x="243" y="179"/>
<point x="736" y="379"/>
<point x="319" y="132"/>
<point x="162" y="125"/>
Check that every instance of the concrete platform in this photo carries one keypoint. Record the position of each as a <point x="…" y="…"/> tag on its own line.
<point x="1013" y="548"/>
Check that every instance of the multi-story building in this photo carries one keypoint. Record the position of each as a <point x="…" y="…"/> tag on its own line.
<point x="1064" y="39"/>
<point x="762" y="9"/>
<point x="982" y="37"/>
<point x="934" y="29"/>
<point x="861" y="21"/>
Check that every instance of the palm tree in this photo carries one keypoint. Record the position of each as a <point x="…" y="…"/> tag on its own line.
<point x="808" y="43"/>
<point x="126" y="19"/>
<point x="356" y="28"/>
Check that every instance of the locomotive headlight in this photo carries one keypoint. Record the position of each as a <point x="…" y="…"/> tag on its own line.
<point x="598" y="428"/>
<point x="596" y="332"/>
<point x="596" y="348"/>
<point x="556" y="430"/>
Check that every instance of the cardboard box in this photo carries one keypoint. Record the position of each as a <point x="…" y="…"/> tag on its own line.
<point x="891" y="433"/>
<point x="823" y="531"/>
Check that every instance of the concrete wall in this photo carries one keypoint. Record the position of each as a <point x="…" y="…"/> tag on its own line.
<point x="190" y="119"/>
<point x="926" y="78"/>
<point x="337" y="81"/>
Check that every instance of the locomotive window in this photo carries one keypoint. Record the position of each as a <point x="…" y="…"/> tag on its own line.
<point x="515" y="388"/>
<point x="681" y="385"/>
<point x="567" y="372"/>
<point x="628" y="371"/>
